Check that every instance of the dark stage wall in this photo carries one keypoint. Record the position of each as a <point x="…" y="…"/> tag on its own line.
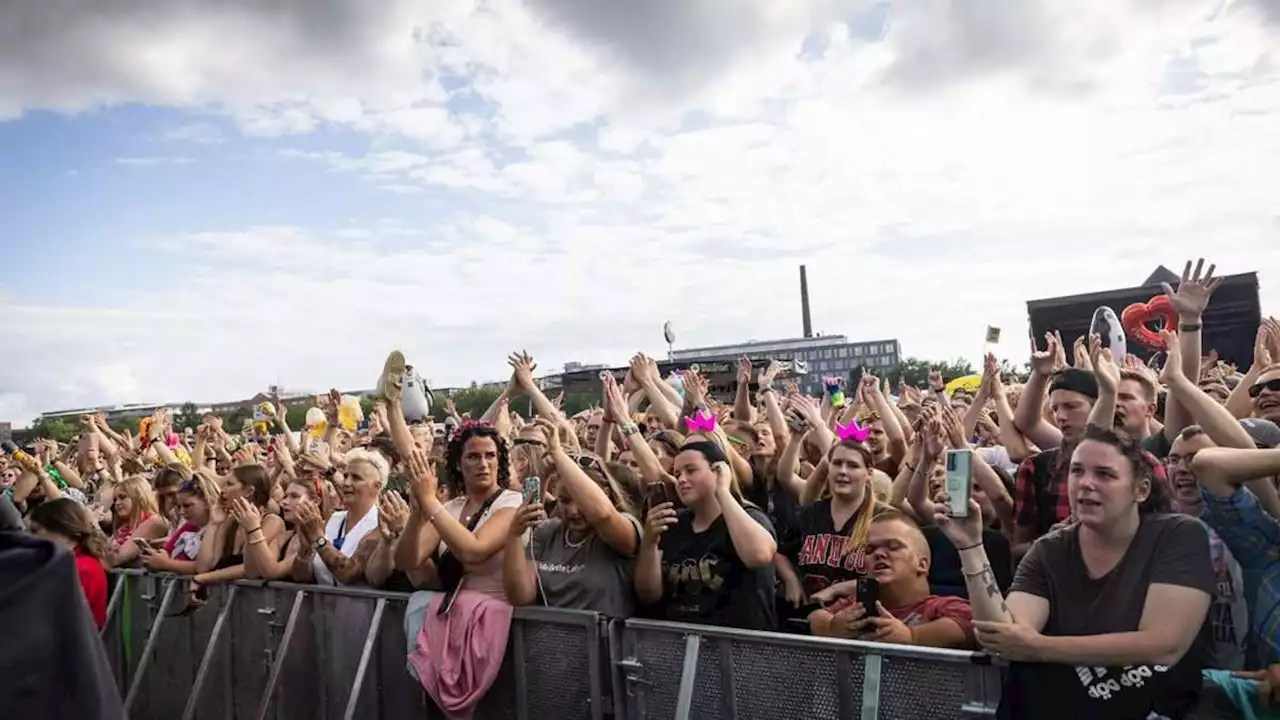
<point x="1230" y="323"/>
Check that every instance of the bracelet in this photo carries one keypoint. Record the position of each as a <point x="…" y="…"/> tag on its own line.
<point x="765" y="389"/>
<point x="985" y="569"/>
<point x="969" y="547"/>
<point x="257" y="540"/>
<point x="250" y="532"/>
<point x="629" y="428"/>
<point x="432" y="518"/>
<point x="1190" y="327"/>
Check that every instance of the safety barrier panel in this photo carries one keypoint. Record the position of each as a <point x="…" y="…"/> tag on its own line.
<point x="670" y="670"/>
<point x="282" y="651"/>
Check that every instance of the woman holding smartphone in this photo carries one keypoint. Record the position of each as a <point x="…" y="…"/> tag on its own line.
<point x="583" y="558"/>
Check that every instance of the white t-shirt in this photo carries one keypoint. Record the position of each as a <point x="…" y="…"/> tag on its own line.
<point x="351" y="537"/>
<point x="487" y="576"/>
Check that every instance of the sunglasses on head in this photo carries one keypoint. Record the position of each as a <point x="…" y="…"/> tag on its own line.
<point x="1256" y="389"/>
<point x="189" y="486"/>
<point x="588" y="462"/>
<point x="527" y="441"/>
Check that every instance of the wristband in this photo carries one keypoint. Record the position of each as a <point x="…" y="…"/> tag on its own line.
<point x="257" y="529"/>
<point x="970" y="547"/>
<point x="432" y="519"/>
<point x="629" y="428"/>
<point x="1190" y="327"/>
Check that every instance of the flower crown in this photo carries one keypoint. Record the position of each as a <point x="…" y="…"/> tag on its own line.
<point x="700" y="421"/>
<point x="853" y="431"/>
<point x="470" y="424"/>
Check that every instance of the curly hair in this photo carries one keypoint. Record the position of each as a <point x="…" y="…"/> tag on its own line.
<point x="453" y="478"/>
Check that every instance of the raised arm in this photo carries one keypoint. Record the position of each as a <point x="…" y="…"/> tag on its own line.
<point x="1028" y="418"/>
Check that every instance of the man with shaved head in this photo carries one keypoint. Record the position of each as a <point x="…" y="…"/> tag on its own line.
<point x="906" y="613"/>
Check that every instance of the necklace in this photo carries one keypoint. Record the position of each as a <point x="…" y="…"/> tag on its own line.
<point x="574" y="545"/>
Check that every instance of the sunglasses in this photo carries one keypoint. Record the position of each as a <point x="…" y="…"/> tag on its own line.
<point x="1256" y="389"/>
<point x="589" y="462"/>
<point x="189" y="487"/>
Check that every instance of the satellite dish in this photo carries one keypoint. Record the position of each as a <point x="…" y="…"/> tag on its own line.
<point x="668" y="333"/>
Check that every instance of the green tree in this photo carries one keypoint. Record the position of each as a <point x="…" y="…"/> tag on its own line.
<point x="125" y="423"/>
<point x="187" y="417"/>
<point x="474" y="400"/>
<point x="296" y="416"/>
<point x="915" y="372"/>
<point x="59" y="429"/>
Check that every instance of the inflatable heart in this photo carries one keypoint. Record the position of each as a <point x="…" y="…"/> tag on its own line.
<point x="1137" y="319"/>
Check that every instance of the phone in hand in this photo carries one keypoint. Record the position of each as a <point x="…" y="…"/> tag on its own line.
<point x="144" y="545"/>
<point x="796" y="422"/>
<point x="869" y="595"/>
<point x="656" y="494"/>
<point x="532" y="489"/>
<point x="959" y="481"/>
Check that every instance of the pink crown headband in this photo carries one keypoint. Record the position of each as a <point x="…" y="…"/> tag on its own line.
<point x="701" y="421"/>
<point x="853" y="431"/>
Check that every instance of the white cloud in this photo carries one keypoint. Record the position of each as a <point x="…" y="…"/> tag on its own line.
<point x="154" y="160"/>
<point x="594" y="171"/>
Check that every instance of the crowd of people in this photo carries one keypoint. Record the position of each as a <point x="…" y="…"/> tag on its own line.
<point x="1120" y="538"/>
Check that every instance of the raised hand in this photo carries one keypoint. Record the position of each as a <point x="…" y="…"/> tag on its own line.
<point x="1104" y="366"/>
<point x="769" y="374"/>
<point x="522" y="366"/>
<point x="744" y="370"/>
<point x="1052" y="359"/>
<point x="393" y="514"/>
<point x="1193" y="293"/>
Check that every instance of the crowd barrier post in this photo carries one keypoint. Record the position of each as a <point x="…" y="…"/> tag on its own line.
<point x="370" y="636"/>
<point x="144" y="661"/>
<point x="277" y="662"/>
<point x="206" y="660"/>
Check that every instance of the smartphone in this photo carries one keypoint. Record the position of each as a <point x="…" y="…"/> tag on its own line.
<point x="532" y="489"/>
<point x="869" y="594"/>
<point x="959" y="481"/>
<point x="796" y="422"/>
<point x="654" y="495"/>
<point x="144" y="546"/>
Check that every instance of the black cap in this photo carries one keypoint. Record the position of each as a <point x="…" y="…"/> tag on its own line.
<point x="1076" y="380"/>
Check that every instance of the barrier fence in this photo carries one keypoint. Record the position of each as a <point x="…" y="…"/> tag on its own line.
<point x="281" y="651"/>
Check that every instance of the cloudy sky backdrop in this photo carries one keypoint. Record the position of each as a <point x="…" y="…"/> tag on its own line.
<point x="203" y="198"/>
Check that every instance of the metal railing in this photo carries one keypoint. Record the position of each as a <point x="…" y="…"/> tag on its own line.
<point x="281" y="651"/>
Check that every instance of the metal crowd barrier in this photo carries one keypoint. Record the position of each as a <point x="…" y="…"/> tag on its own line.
<point x="282" y="651"/>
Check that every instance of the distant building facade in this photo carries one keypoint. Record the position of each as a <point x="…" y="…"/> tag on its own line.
<point x="823" y="355"/>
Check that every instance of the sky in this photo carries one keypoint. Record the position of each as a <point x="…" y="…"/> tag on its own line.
<point x="201" y="199"/>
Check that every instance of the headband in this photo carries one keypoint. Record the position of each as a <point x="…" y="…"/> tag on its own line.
<point x="708" y="450"/>
<point x="853" y="431"/>
<point x="700" y="421"/>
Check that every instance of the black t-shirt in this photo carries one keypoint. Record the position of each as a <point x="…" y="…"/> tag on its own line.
<point x="1168" y="549"/>
<point x="817" y="549"/>
<point x="945" y="576"/>
<point x="704" y="581"/>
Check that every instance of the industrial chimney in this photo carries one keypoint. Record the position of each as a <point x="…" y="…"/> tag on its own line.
<point x="804" y="303"/>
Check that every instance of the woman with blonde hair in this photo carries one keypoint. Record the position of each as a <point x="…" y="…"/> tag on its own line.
<point x="135" y="520"/>
<point x="195" y="501"/>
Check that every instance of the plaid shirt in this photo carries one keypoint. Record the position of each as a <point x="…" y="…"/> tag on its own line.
<point x="1029" y="496"/>
<point x="1253" y="537"/>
